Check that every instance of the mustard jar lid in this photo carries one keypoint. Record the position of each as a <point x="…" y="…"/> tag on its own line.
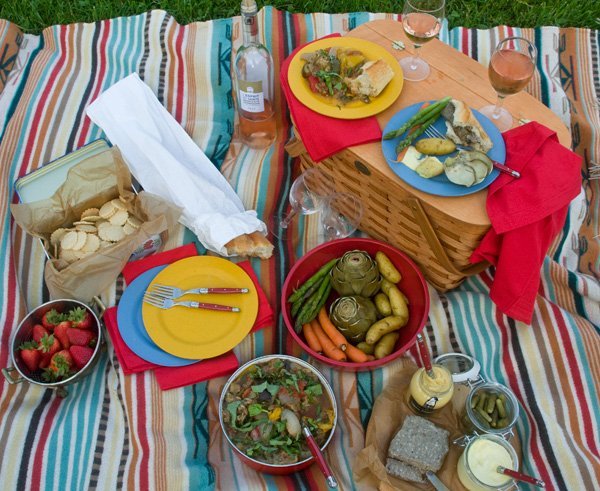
<point x="462" y="367"/>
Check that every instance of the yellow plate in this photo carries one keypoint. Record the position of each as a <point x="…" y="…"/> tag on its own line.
<point x="355" y="109"/>
<point x="200" y="333"/>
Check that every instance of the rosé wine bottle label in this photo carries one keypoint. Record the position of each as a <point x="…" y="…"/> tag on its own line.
<point x="252" y="98"/>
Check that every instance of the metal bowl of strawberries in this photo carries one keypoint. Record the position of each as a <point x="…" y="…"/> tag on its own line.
<point x="55" y="345"/>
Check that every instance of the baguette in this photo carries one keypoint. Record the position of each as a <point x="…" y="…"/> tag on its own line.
<point x="463" y="127"/>
<point x="254" y="244"/>
<point x="373" y="79"/>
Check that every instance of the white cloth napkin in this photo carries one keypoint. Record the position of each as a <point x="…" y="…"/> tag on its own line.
<point x="167" y="162"/>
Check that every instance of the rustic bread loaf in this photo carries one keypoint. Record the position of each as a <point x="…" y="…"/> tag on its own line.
<point x="254" y="244"/>
<point x="373" y="79"/>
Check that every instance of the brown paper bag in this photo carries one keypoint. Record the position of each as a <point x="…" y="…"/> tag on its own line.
<point x="90" y="184"/>
<point x="389" y="411"/>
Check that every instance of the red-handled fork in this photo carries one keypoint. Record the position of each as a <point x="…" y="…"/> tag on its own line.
<point x="167" y="303"/>
<point x="174" y="292"/>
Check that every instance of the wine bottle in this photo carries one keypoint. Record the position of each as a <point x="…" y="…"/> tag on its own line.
<point x="254" y="83"/>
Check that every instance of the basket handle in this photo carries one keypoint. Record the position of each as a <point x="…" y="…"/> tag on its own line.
<point x="434" y="242"/>
<point x="294" y="147"/>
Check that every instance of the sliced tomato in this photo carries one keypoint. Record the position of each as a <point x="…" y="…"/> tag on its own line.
<point x="313" y="81"/>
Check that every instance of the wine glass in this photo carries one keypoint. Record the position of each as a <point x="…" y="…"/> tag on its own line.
<point x="422" y="21"/>
<point x="307" y="194"/>
<point x="511" y="67"/>
<point x="340" y="215"/>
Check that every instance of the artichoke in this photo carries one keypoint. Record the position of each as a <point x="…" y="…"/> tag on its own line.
<point x="356" y="273"/>
<point x="353" y="316"/>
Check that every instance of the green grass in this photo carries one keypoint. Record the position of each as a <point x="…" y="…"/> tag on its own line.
<point x="34" y="15"/>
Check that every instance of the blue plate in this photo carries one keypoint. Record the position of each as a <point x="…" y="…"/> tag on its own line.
<point x="131" y="324"/>
<point x="440" y="185"/>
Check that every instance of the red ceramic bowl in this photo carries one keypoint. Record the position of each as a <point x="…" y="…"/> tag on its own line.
<point x="413" y="285"/>
<point x="258" y="465"/>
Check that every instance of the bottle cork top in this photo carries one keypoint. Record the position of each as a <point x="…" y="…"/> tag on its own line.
<point x="249" y="6"/>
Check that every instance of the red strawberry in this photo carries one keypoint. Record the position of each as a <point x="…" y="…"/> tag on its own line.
<point x="52" y="318"/>
<point x="38" y="332"/>
<point x="81" y="337"/>
<point x="81" y="318"/>
<point x="49" y="346"/>
<point x="81" y="355"/>
<point x="60" y="332"/>
<point x="30" y="355"/>
<point x="60" y="366"/>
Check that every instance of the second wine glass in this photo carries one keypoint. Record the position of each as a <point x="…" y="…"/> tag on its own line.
<point x="422" y="21"/>
<point x="341" y="215"/>
<point x="307" y="194"/>
<point x="511" y="67"/>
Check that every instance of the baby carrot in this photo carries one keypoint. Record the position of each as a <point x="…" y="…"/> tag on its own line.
<point x="329" y="349"/>
<point x="311" y="338"/>
<point x="336" y="336"/>
<point x="356" y="355"/>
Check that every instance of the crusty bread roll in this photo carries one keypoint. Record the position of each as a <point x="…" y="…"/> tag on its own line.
<point x="373" y="79"/>
<point x="254" y="244"/>
<point x="463" y="127"/>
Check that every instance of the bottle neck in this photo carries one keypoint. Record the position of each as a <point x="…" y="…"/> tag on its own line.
<point x="250" y="28"/>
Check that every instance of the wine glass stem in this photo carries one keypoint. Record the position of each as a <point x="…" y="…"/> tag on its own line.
<point x="498" y="107"/>
<point x="415" y="57"/>
<point x="286" y="221"/>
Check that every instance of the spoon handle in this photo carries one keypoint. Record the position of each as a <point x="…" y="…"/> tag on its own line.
<point x="519" y="476"/>
<point x="319" y="457"/>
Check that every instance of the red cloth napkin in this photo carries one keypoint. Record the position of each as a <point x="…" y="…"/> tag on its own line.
<point x="526" y="215"/>
<point x="173" y="377"/>
<point x="324" y="136"/>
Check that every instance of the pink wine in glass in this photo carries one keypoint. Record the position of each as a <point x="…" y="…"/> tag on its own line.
<point x="510" y="71"/>
<point x="420" y="27"/>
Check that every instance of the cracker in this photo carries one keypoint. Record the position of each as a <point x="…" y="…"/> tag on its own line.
<point x="68" y="255"/>
<point x="107" y="210"/>
<point x="93" y="218"/>
<point x="119" y="218"/>
<point x="57" y="235"/>
<point x="119" y="204"/>
<point x="86" y="227"/>
<point x="90" y="212"/>
<point x="104" y="244"/>
<point x="68" y="240"/>
<point x="128" y="229"/>
<point x="92" y="243"/>
<point x="134" y="221"/>
<point x="112" y="233"/>
<point x="81" y="238"/>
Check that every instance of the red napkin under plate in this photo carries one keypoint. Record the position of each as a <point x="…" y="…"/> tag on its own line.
<point x="526" y="215"/>
<point x="173" y="377"/>
<point x="321" y="135"/>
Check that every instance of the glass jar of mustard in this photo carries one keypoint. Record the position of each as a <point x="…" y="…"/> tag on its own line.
<point x="478" y="464"/>
<point x="426" y="393"/>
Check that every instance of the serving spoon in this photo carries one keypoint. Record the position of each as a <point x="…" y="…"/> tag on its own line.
<point x="319" y="457"/>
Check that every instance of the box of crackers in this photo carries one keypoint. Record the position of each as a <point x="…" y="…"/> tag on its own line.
<point x="90" y="220"/>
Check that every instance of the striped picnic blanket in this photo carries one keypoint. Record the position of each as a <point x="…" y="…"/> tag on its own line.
<point x="115" y="431"/>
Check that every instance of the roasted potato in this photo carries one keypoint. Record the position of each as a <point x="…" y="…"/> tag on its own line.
<point x="382" y="303"/>
<point x="367" y="348"/>
<point x="387" y="268"/>
<point x="386" y="345"/>
<point x="435" y="146"/>
<point x="384" y="326"/>
<point x="397" y="302"/>
<point x="430" y="167"/>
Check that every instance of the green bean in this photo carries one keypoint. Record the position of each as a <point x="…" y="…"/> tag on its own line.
<point x="299" y="293"/>
<point x="420" y="116"/>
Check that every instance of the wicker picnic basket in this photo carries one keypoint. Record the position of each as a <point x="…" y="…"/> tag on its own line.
<point x="438" y="243"/>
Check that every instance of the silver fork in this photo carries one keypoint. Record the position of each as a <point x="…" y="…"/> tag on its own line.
<point x="433" y="132"/>
<point x="167" y="303"/>
<point x="174" y="292"/>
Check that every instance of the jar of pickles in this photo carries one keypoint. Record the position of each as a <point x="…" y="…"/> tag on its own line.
<point x="490" y="407"/>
